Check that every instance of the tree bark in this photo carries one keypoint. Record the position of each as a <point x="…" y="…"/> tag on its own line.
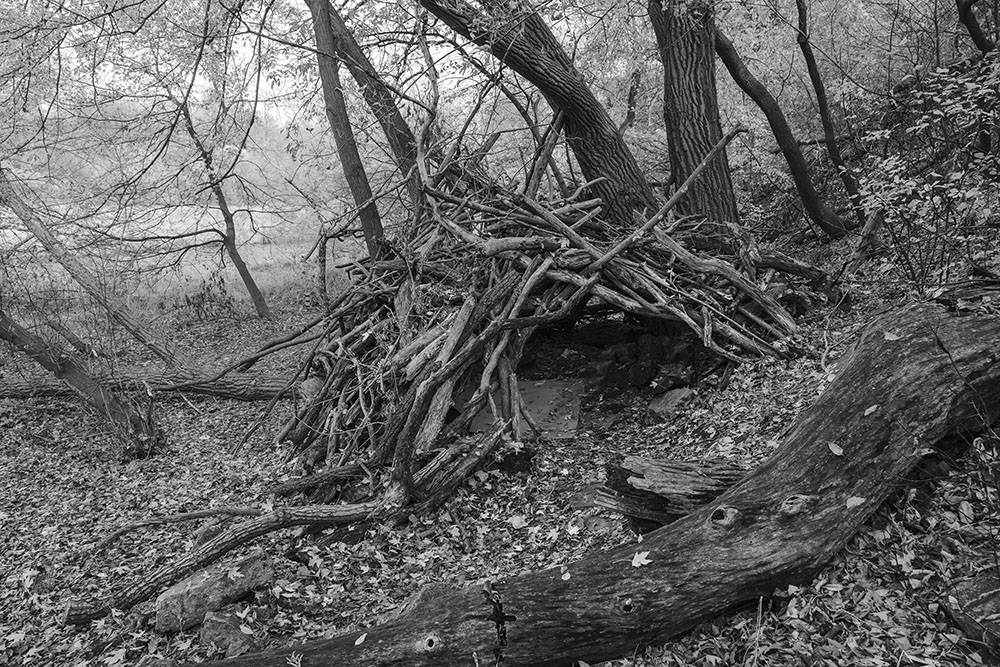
<point x="117" y="309"/>
<point x="968" y="18"/>
<point x="660" y="492"/>
<point x="237" y="387"/>
<point x="343" y="133"/>
<point x="827" y="220"/>
<point x="822" y="104"/>
<point x="143" y="434"/>
<point x="685" y="39"/>
<point x="377" y="95"/>
<point x="523" y="41"/>
<point x="920" y="377"/>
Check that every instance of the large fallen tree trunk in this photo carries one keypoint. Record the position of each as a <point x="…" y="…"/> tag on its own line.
<point x="920" y="377"/>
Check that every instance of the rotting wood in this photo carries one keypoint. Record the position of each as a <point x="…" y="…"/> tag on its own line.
<point x="663" y="491"/>
<point x="919" y="376"/>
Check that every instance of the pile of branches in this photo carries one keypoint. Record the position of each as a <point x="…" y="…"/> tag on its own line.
<point x="431" y="333"/>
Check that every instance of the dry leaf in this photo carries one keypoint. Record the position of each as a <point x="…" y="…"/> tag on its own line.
<point x="641" y="558"/>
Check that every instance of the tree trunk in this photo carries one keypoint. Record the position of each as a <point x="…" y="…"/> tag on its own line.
<point x="635" y="83"/>
<point x="140" y="431"/>
<point x="829" y="135"/>
<point x="117" y="309"/>
<point x="922" y="376"/>
<point x="377" y="95"/>
<point x="523" y="41"/>
<point x="343" y="133"/>
<point x="229" y="236"/>
<point x="968" y="18"/>
<point x="685" y="40"/>
<point x="831" y="223"/>
<point x="236" y="387"/>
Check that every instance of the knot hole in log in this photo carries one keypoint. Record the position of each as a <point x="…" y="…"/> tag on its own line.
<point x="725" y="517"/>
<point x="795" y="505"/>
<point x="430" y="644"/>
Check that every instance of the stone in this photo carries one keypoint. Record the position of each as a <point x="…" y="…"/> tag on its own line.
<point x="596" y="369"/>
<point x="672" y="376"/>
<point x="974" y="605"/>
<point x="641" y="373"/>
<point x="185" y="604"/>
<point x="225" y="630"/>
<point x="663" y="407"/>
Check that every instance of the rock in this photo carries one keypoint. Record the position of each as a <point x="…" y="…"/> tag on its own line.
<point x="974" y="605"/>
<point x="224" y="631"/>
<point x="596" y="369"/>
<point x="663" y="407"/>
<point x="139" y="615"/>
<point x="184" y="604"/>
<point x="642" y="373"/>
<point x="637" y="374"/>
<point x="672" y="376"/>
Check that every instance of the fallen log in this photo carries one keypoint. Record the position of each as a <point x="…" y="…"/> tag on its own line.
<point x="919" y="377"/>
<point x="139" y="430"/>
<point x="237" y="387"/>
<point x="660" y="492"/>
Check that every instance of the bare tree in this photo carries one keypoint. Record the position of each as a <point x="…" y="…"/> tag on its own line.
<point x="116" y="307"/>
<point x="827" y="220"/>
<point x="829" y="132"/>
<point x="229" y="242"/>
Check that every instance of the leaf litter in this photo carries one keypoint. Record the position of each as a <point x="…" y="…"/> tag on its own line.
<point x="62" y="489"/>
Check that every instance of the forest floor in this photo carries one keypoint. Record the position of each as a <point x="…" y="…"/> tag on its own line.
<point x="64" y="487"/>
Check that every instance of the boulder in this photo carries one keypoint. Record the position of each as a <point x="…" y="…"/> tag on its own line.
<point x="185" y="604"/>
<point x="663" y="407"/>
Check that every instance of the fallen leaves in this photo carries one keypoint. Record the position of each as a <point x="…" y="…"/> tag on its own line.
<point x="641" y="558"/>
